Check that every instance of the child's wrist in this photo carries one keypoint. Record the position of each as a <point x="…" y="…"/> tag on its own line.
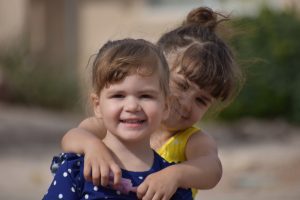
<point x="92" y="144"/>
<point x="176" y="173"/>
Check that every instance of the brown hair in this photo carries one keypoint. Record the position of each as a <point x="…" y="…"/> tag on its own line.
<point x="195" y="51"/>
<point x="121" y="58"/>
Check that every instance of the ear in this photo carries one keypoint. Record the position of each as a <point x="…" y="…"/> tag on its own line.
<point x="96" y="105"/>
<point x="166" y="111"/>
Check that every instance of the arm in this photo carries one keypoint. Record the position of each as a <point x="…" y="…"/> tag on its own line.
<point x="202" y="170"/>
<point x="77" y="139"/>
<point x="86" y="139"/>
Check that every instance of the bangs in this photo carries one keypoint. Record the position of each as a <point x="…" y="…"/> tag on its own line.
<point x="117" y="64"/>
<point x="123" y="67"/>
<point x="209" y="67"/>
<point x="118" y="59"/>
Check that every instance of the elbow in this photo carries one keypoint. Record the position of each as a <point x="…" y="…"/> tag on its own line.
<point x="65" y="142"/>
<point x="215" y="179"/>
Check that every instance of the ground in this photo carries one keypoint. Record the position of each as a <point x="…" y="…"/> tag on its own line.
<point x="261" y="159"/>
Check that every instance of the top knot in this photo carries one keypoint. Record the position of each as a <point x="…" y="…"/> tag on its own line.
<point x="203" y="16"/>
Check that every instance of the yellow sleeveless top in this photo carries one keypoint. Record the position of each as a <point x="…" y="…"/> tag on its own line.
<point x="174" y="149"/>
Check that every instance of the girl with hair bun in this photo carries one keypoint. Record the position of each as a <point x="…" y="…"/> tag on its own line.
<point x="203" y="74"/>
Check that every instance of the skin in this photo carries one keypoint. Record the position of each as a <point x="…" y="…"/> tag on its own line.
<point x="131" y="110"/>
<point x="201" y="151"/>
<point x="189" y="105"/>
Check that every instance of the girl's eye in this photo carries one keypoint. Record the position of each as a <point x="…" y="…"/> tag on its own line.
<point x="117" y="96"/>
<point x="146" y="96"/>
<point x="201" y="101"/>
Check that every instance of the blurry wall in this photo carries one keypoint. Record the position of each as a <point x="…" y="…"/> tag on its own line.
<point x="52" y="28"/>
<point x="99" y="21"/>
<point x="60" y="30"/>
<point x="12" y="21"/>
<point x="68" y="32"/>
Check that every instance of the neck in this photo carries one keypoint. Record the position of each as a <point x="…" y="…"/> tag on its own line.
<point x="169" y="131"/>
<point x="133" y="155"/>
<point x="160" y="137"/>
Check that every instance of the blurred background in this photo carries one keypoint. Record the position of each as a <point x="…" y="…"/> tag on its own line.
<point x="45" y="46"/>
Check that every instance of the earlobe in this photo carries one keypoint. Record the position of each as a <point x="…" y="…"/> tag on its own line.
<point x="96" y="105"/>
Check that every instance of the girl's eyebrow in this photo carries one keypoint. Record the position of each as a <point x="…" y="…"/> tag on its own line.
<point x="115" y="91"/>
<point x="205" y="97"/>
<point x="149" y="90"/>
<point x="142" y="90"/>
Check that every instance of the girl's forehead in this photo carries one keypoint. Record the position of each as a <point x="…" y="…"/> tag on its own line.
<point x="135" y="80"/>
<point x="179" y="78"/>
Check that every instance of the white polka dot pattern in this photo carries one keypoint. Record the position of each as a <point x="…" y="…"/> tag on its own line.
<point x="69" y="182"/>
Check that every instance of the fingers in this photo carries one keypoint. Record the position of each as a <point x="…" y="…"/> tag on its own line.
<point x="152" y="194"/>
<point x="95" y="174"/>
<point x="141" y="190"/>
<point x="117" y="173"/>
<point x="149" y="195"/>
<point x="157" y="196"/>
<point x="166" y="198"/>
<point x="87" y="171"/>
<point x="156" y="187"/>
<point x="99" y="172"/>
<point x="104" y="175"/>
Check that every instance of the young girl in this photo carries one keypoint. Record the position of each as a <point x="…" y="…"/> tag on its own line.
<point x="130" y="87"/>
<point x="203" y="73"/>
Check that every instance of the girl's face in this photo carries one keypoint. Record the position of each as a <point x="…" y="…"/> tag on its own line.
<point x="188" y="103"/>
<point x="133" y="108"/>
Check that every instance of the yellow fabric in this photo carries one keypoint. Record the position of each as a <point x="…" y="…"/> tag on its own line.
<point x="174" y="149"/>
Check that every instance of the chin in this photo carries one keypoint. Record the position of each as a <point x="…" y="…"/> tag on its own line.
<point x="134" y="137"/>
<point x="179" y="127"/>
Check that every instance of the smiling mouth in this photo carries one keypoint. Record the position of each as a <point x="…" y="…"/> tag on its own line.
<point x="184" y="117"/>
<point x="181" y="115"/>
<point x="132" y="121"/>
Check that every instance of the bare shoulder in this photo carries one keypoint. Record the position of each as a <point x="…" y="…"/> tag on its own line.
<point x="201" y="144"/>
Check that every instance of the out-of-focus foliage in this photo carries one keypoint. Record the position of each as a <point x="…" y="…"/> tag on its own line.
<point x="38" y="84"/>
<point x="267" y="45"/>
<point x="269" y="49"/>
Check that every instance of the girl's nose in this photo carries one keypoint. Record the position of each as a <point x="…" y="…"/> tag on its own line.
<point x="132" y="105"/>
<point x="182" y="105"/>
<point x="185" y="105"/>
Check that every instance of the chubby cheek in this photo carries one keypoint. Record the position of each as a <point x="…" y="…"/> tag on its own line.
<point x="110" y="111"/>
<point x="174" y="105"/>
<point x="198" y="114"/>
<point x="155" y="115"/>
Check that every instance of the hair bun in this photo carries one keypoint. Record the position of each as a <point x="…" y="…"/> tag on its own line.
<point x="202" y="16"/>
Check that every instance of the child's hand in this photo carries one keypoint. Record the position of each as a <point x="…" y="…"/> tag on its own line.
<point x="99" y="164"/>
<point x="159" y="185"/>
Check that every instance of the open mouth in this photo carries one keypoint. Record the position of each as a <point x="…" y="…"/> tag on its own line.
<point x="132" y="121"/>
<point x="180" y="114"/>
<point x="184" y="117"/>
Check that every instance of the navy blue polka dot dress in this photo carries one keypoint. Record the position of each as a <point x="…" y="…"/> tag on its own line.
<point x="69" y="182"/>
